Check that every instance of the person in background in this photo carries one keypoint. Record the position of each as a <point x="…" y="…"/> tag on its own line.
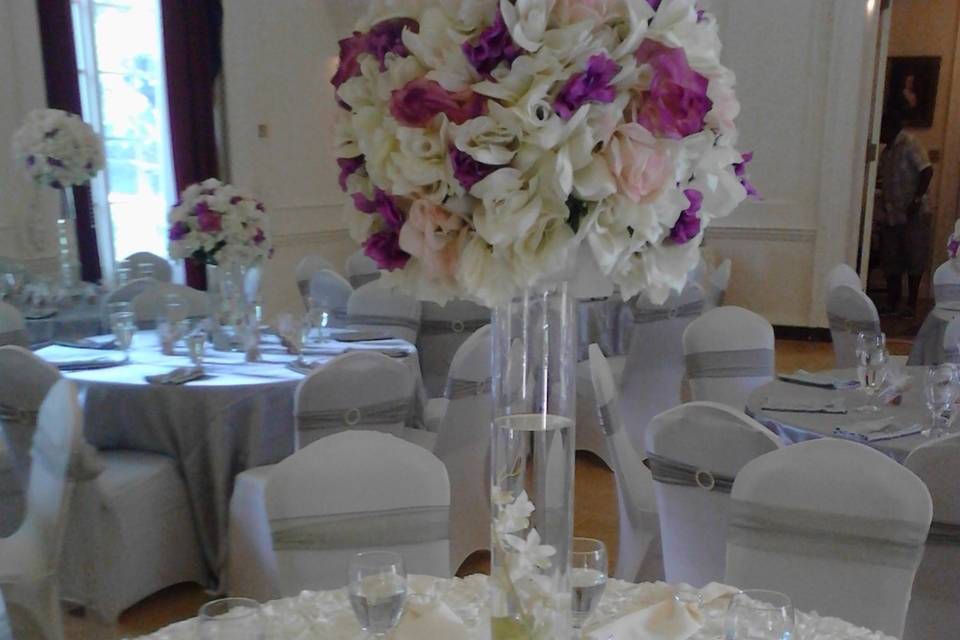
<point x="903" y="216"/>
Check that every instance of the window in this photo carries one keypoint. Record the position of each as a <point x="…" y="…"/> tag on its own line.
<point x="120" y="66"/>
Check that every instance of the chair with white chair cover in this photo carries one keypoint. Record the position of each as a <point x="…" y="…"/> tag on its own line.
<point x="144" y="264"/>
<point x="935" y="603"/>
<point x="443" y="329"/>
<point x="361" y="269"/>
<point x="379" y="492"/>
<point x="946" y="283"/>
<point x="849" y="311"/>
<point x="371" y="307"/>
<point x="308" y="266"/>
<point x="728" y="353"/>
<point x="694" y="452"/>
<point x="126" y="293"/>
<point x="331" y="292"/>
<point x="639" y="556"/>
<point x="951" y="342"/>
<point x="30" y="557"/>
<point x="716" y="283"/>
<point x="151" y="303"/>
<point x="843" y="274"/>
<point x="13" y="329"/>
<point x="837" y="526"/>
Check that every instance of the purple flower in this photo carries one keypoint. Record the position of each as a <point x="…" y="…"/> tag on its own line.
<point x="417" y="102"/>
<point x="701" y="15"/>
<point x="687" y="226"/>
<point x="387" y="37"/>
<point x="259" y="236"/>
<point x="208" y="220"/>
<point x="383" y="248"/>
<point x="349" y="64"/>
<point x="467" y="170"/>
<point x="31" y="160"/>
<point x="953" y="247"/>
<point x="493" y="46"/>
<point x="676" y="102"/>
<point x="349" y="166"/>
<point x="740" y="168"/>
<point x="592" y="85"/>
<point x="236" y="199"/>
<point x="654" y="4"/>
<point x="382" y="203"/>
<point x="178" y="230"/>
<point x="55" y="162"/>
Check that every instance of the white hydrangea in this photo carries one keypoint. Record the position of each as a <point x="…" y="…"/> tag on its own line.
<point x="57" y="149"/>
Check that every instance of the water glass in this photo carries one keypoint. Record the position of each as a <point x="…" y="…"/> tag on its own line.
<point x="124" y="326"/>
<point x="378" y="589"/>
<point x="940" y="391"/>
<point x="872" y="359"/>
<point x="319" y="317"/>
<point x="759" y="615"/>
<point x="294" y="332"/>
<point x="196" y="340"/>
<point x="588" y="577"/>
<point x="231" y="619"/>
<point x="175" y="307"/>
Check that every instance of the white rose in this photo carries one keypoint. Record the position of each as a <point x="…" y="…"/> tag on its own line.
<point x="491" y="139"/>
<point x="716" y="180"/>
<point x="377" y="139"/>
<point x="538" y="119"/>
<point x="380" y="10"/>
<point x="484" y="274"/>
<point x="437" y="47"/>
<point x="527" y="21"/>
<point x="509" y="206"/>
<point x="543" y="251"/>
<point x="420" y="165"/>
<point x="656" y="270"/>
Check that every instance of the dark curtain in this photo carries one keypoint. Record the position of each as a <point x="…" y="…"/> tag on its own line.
<point x="192" y="48"/>
<point x="63" y="92"/>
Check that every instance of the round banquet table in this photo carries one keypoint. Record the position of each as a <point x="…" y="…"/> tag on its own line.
<point x="927" y="347"/>
<point x="239" y="416"/>
<point x="327" y="615"/>
<point x="794" y="426"/>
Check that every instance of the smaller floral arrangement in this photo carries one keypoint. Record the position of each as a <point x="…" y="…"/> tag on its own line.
<point x="57" y="149"/>
<point x="953" y="243"/>
<point x="219" y="224"/>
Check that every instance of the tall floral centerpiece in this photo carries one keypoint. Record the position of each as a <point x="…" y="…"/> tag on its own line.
<point x="481" y="142"/>
<point x="57" y="149"/>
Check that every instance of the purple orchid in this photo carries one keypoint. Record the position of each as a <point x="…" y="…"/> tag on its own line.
<point x="687" y="226"/>
<point x="384" y="249"/>
<point x="417" y="102"/>
<point x="387" y="37"/>
<point x="349" y="64"/>
<point x="382" y="203"/>
<point x="676" y="102"/>
<point x="740" y="168"/>
<point x="493" y="46"/>
<point x="178" y="230"/>
<point x="208" y="221"/>
<point x="467" y="170"/>
<point x="349" y="166"/>
<point x="592" y="85"/>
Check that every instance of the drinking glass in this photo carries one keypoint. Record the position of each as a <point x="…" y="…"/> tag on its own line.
<point x="872" y="359"/>
<point x="319" y="316"/>
<point x="940" y="390"/>
<point x="588" y="577"/>
<point x="124" y="326"/>
<point x="378" y="589"/>
<point x="759" y="615"/>
<point x="231" y="619"/>
<point x="196" y="341"/>
<point x="174" y="307"/>
<point x="294" y="332"/>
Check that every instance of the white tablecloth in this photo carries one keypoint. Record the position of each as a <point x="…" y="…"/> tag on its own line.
<point x="241" y="416"/>
<point x="327" y="615"/>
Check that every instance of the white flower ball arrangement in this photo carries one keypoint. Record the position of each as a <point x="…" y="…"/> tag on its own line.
<point x="57" y="149"/>
<point x="482" y="141"/>
<point x="953" y="243"/>
<point x="219" y="224"/>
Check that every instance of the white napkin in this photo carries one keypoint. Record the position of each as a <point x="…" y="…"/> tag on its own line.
<point x="823" y="380"/>
<point x="80" y="361"/>
<point x="798" y="405"/>
<point x="432" y="620"/>
<point x="876" y="430"/>
<point x="180" y="375"/>
<point x="95" y="342"/>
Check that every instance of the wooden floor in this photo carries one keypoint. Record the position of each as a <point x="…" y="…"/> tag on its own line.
<point x="595" y="516"/>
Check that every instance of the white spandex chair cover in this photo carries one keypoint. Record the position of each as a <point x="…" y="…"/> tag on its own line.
<point x="372" y="307"/>
<point x="694" y="452"/>
<point x="378" y="492"/>
<point x="361" y="269"/>
<point x="837" y="526"/>
<point x="639" y="557"/>
<point x="849" y="311"/>
<point x="308" y="266"/>
<point x="935" y="606"/>
<point x="946" y="282"/>
<point x="443" y="329"/>
<point x="331" y="291"/>
<point x="30" y="558"/>
<point x="151" y="303"/>
<point x="951" y="342"/>
<point x="463" y="444"/>
<point x="843" y="274"/>
<point x="126" y="293"/>
<point x="12" y="327"/>
<point x="728" y="353"/>
<point x="653" y="373"/>
<point x="161" y="270"/>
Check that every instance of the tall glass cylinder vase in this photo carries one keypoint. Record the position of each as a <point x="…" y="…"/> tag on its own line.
<point x="235" y="296"/>
<point x="532" y="464"/>
<point x="67" y="240"/>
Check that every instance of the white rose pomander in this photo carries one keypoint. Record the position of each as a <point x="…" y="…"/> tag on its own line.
<point x="57" y="149"/>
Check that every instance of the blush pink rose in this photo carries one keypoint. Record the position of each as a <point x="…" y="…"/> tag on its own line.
<point x="432" y="234"/>
<point x="640" y="165"/>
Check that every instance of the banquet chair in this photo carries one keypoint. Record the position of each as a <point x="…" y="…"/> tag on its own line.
<point x="837" y="526"/>
<point x="728" y="353"/>
<point x="379" y="492"/>
<point x="331" y="291"/>
<point x="653" y="371"/>
<point x="126" y="293"/>
<point x="361" y="269"/>
<point x="144" y="261"/>
<point x="30" y="557"/>
<point x="849" y="311"/>
<point x="951" y="342"/>
<point x="934" y="610"/>
<point x="716" y="283"/>
<point x="151" y="303"/>
<point x="946" y="283"/>
<point x="371" y="307"/>
<point x="694" y="452"/>
<point x="13" y="329"/>
<point x="443" y="329"/>
<point x="463" y="445"/>
<point x="639" y="556"/>
<point x="308" y="266"/>
<point x="843" y="274"/>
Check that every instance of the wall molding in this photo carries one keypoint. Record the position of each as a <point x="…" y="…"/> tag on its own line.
<point x="762" y="234"/>
<point x="311" y="237"/>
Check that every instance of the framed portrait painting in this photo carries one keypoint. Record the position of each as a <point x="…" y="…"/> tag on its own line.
<point x="912" y="86"/>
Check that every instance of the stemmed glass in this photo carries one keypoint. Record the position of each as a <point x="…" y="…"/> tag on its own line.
<point x="588" y="577"/>
<point x="294" y="332"/>
<point x="872" y="358"/>
<point x="940" y="390"/>
<point x="759" y="615"/>
<point x="196" y="340"/>
<point x="124" y="326"/>
<point x="319" y="316"/>
<point x="231" y="619"/>
<point x="378" y="590"/>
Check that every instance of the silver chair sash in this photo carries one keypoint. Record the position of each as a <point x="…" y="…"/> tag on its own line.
<point x="388" y="412"/>
<point x="844" y="325"/>
<point x="360" y="279"/>
<point x="944" y="533"/>
<point x="15" y="336"/>
<point x="946" y="292"/>
<point x="746" y="363"/>
<point x="688" y="310"/>
<point x="384" y="321"/>
<point x="458" y="388"/>
<point x="670" y="471"/>
<point x="77" y="466"/>
<point x="358" y="530"/>
<point x="439" y="327"/>
<point x="881" y="541"/>
<point x="17" y="415"/>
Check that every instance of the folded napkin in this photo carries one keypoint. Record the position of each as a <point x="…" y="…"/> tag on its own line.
<point x="81" y="362"/>
<point x="104" y="343"/>
<point x="797" y="405"/>
<point x="431" y="620"/>
<point x="823" y="380"/>
<point x="896" y="384"/>
<point x="360" y="336"/>
<point x="876" y="430"/>
<point x="306" y="368"/>
<point x="180" y="375"/>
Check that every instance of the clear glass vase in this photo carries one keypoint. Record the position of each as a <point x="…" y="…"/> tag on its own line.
<point x="236" y="296"/>
<point x="532" y="464"/>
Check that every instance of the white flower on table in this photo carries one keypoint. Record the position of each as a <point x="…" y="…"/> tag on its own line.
<point x="528" y="554"/>
<point x="514" y="513"/>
